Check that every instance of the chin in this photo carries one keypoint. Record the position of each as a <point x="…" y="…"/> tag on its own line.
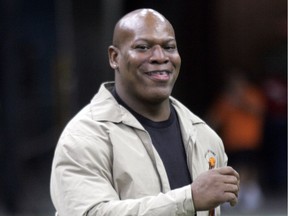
<point x="158" y="96"/>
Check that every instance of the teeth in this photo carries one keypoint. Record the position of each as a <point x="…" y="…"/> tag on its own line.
<point x="158" y="72"/>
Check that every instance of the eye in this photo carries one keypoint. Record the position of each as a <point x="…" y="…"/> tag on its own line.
<point x="170" y="47"/>
<point x="142" y="47"/>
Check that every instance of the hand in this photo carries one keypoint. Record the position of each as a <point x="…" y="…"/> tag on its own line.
<point x="214" y="187"/>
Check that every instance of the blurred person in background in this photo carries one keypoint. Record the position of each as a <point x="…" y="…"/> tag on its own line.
<point x="238" y="116"/>
<point x="135" y="150"/>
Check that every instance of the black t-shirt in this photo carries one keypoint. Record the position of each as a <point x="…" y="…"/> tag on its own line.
<point x="167" y="139"/>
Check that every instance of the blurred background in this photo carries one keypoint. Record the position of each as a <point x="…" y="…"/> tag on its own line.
<point x="233" y="75"/>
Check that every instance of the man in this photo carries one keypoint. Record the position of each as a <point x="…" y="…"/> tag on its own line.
<point x="135" y="150"/>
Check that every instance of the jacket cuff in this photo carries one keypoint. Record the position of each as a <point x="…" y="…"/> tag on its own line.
<point x="183" y="197"/>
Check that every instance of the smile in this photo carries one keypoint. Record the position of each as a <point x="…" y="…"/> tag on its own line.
<point x="162" y="75"/>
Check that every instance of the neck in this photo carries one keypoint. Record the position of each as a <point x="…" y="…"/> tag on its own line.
<point x="155" y="111"/>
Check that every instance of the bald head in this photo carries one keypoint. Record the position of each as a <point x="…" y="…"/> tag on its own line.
<point x="138" y="20"/>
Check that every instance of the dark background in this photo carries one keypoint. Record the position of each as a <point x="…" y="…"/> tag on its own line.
<point x="54" y="57"/>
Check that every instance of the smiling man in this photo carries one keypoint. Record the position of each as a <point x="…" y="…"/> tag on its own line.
<point x="135" y="150"/>
<point x="146" y="62"/>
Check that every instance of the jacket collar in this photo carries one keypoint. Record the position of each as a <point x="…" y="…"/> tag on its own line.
<point x="104" y="107"/>
<point x="187" y="121"/>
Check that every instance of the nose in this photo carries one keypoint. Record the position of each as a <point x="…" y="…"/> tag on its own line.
<point x="158" y="56"/>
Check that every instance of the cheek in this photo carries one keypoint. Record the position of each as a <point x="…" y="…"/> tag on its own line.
<point x="127" y="67"/>
<point x="134" y="73"/>
<point x="177" y="61"/>
<point x="177" y="65"/>
<point x="135" y="60"/>
<point x="129" y="63"/>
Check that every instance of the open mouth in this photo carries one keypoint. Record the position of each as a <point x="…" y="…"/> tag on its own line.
<point x="162" y="75"/>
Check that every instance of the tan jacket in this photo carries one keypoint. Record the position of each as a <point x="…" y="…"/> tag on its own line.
<point x="105" y="163"/>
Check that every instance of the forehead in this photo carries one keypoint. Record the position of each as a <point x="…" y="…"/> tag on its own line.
<point x="146" y="24"/>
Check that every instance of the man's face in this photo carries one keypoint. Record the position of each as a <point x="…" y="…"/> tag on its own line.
<point x="148" y="60"/>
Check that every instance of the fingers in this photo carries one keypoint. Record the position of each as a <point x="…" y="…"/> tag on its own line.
<point x="214" y="187"/>
<point x="232" y="188"/>
<point x="231" y="197"/>
<point x="229" y="171"/>
<point x="231" y="180"/>
<point x="234" y="201"/>
<point x="230" y="175"/>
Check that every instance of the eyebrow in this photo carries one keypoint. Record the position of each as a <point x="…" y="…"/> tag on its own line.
<point x="148" y="39"/>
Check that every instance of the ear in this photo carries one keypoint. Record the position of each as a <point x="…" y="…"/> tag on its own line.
<point x="113" y="53"/>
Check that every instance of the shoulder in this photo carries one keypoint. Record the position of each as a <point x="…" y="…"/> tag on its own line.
<point x="189" y="119"/>
<point x="202" y="134"/>
<point x="183" y="111"/>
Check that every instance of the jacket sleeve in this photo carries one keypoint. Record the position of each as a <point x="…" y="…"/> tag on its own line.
<point x="82" y="184"/>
